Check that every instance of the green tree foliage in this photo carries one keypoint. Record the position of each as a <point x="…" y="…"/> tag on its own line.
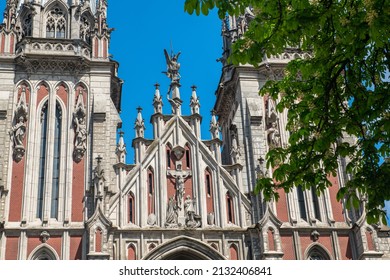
<point x="342" y="90"/>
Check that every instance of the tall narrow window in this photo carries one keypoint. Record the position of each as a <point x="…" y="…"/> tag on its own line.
<point x="168" y="158"/>
<point x="27" y="25"/>
<point x="316" y="203"/>
<point x="42" y="161"/>
<point x="230" y="211"/>
<point x="208" y="185"/>
<point x="56" y="163"/>
<point x="131" y="209"/>
<point x="188" y="157"/>
<point x="301" y="203"/>
<point x="150" y="191"/>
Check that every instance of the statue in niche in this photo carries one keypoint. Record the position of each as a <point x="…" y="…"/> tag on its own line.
<point x="273" y="135"/>
<point x="171" y="219"/>
<point x="18" y="131"/>
<point x="192" y="220"/>
<point x="80" y="128"/>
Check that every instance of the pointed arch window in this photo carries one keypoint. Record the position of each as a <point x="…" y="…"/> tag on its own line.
<point x="56" y="23"/>
<point x="131" y="216"/>
<point x="85" y="29"/>
<point x="56" y="163"/>
<point x="316" y="203"/>
<point x="27" y="25"/>
<point x="316" y="253"/>
<point x="301" y="203"/>
<point x="150" y="191"/>
<point x="230" y="208"/>
<point x="42" y="161"/>
<point x="48" y="195"/>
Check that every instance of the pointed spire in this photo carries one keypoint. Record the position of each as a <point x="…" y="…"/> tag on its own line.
<point x="157" y="100"/>
<point x="214" y="127"/>
<point x="139" y="124"/>
<point x="121" y="148"/>
<point x="194" y="104"/>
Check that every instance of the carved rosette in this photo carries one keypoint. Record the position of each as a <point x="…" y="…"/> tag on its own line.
<point x="80" y="128"/>
<point x="18" y="131"/>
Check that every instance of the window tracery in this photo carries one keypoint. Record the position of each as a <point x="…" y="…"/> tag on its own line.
<point x="56" y="24"/>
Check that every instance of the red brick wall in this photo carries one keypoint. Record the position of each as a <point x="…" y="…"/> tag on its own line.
<point x="78" y="191"/>
<point x="324" y="240"/>
<point x="54" y="241"/>
<point x="17" y="181"/>
<point x="11" y="250"/>
<point x="131" y="255"/>
<point x="2" y="43"/>
<point x="281" y="206"/>
<point x="12" y="44"/>
<point x="345" y="247"/>
<point x="337" y="207"/>
<point x="75" y="248"/>
<point x="287" y="247"/>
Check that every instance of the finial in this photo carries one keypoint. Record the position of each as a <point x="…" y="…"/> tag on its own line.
<point x="139" y="109"/>
<point x="194" y="87"/>
<point x="157" y="85"/>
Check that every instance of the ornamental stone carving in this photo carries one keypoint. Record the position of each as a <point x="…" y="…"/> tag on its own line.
<point x="80" y="128"/>
<point x="18" y="131"/>
<point x="192" y="220"/>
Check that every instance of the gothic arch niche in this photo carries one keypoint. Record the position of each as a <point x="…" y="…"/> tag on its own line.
<point x="317" y="252"/>
<point x="184" y="248"/>
<point x="56" y="20"/>
<point x="86" y="27"/>
<point x="44" y="252"/>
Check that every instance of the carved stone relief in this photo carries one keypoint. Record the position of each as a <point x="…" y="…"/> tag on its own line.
<point x="18" y="131"/>
<point x="80" y="128"/>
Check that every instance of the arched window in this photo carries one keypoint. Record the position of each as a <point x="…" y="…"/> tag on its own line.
<point x="52" y="164"/>
<point x="56" y="162"/>
<point x="301" y="203"/>
<point x="27" y="25"/>
<point x="42" y="160"/>
<point x="98" y="240"/>
<point x="230" y="208"/>
<point x="233" y="252"/>
<point x="85" y="29"/>
<point x="316" y="203"/>
<point x="316" y="253"/>
<point x="271" y="239"/>
<point x="56" y="23"/>
<point x="150" y="191"/>
<point x="131" y="252"/>
<point x="131" y="208"/>
<point x="187" y="157"/>
<point x="44" y="253"/>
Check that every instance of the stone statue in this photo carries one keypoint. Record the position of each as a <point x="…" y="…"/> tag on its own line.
<point x="273" y="135"/>
<point x="180" y="191"/>
<point x="18" y="132"/>
<point x="192" y="220"/>
<point x="81" y="131"/>
<point x="173" y="66"/>
<point x="80" y="128"/>
<point x="171" y="213"/>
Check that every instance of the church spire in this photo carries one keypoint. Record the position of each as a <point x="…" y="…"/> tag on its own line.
<point x="214" y="127"/>
<point x="157" y="100"/>
<point x="139" y="124"/>
<point x="194" y="103"/>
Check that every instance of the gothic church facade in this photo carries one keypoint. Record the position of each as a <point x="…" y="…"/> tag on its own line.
<point x="67" y="191"/>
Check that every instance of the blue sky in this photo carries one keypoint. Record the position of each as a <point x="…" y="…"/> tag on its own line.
<point x="143" y="29"/>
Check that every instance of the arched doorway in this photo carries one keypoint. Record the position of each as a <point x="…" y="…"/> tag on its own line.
<point x="184" y="248"/>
